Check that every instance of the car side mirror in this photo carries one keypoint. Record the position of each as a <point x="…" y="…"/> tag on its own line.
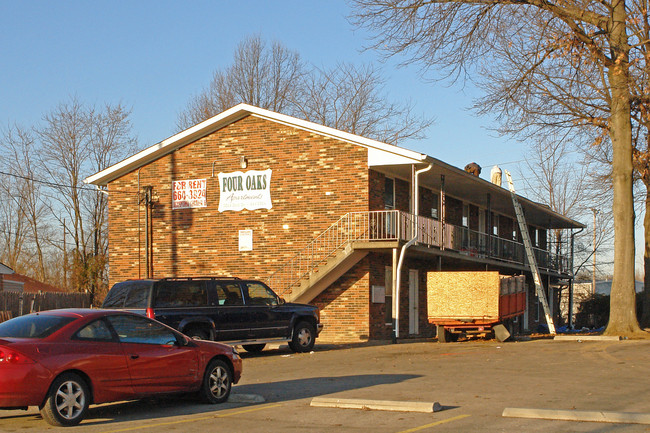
<point x="281" y="301"/>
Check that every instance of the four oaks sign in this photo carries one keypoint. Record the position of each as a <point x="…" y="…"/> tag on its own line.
<point x="250" y="190"/>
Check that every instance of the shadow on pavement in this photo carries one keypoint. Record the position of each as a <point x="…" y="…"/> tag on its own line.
<point x="318" y="386"/>
<point x="273" y="392"/>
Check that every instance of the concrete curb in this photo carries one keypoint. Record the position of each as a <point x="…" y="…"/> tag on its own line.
<point x="586" y="338"/>
<point x="575" y="415"/>
<point x="398" y="406"/>
<point x="245" y="398"/>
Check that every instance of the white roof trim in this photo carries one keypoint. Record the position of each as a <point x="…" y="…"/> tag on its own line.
<point x="229" y="116"/>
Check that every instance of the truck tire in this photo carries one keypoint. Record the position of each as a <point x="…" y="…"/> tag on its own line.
<point x="198" y="333"/>
<point x="304" y="337"/>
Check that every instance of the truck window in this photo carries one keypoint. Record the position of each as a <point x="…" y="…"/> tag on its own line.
<point x="116" y="296"/>
<point x="172" y="294"/>
<point x="228" y="294"/>
<point x="128" y="294"/>
<point x="138" y="295"/>
<point x="259" y="294"/>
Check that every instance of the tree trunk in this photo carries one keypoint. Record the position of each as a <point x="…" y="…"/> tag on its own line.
<point x="622" y="316"/>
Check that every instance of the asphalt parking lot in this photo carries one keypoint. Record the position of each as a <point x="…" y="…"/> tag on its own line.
<point x="473" y="382"/>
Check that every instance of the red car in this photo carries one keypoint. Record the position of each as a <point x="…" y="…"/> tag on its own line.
<point x="64" y="360"/>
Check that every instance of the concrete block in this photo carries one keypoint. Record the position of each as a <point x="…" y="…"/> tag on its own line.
<point x="500" y="332"/>
<point x="586" y="338"/>
<point x="576" y="415"/>
<point x="397" y="406"/>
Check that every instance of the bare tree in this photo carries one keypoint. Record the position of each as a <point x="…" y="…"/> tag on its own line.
<point x="65" y="139"/>
<point x="109" y="140"/>
<point x="75" y="141"/>
<point x="350" y="98"/>
<point x="550" y="54"/>
<point x="346" y="97"/>
<point x="14" y="229"/>
<point x="259" y="75"/>
<point x="42" y="170"/>
<point x="24" y="201"/>
<point x="559" y="175"/>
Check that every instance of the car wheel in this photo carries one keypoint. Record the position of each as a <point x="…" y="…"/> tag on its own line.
<point x="67" y="401"/>
<point x="197" y="333"/>
<point x="217" y="382"/>
<point x="304" y="337"/>
<point x="254" y="348"/>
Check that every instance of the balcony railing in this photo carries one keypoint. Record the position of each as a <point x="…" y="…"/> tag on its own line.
<point x="474" y="243"/>
<point x="393" y="225"/>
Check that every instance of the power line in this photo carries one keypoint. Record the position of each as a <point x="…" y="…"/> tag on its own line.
<point x="505" y="163"/>
<point x="60" y="185"/>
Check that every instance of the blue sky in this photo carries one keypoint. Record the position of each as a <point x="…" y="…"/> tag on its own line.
<point x="153" y="56"/>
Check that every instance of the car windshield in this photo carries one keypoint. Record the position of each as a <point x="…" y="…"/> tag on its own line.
<point x="33" y="326"/>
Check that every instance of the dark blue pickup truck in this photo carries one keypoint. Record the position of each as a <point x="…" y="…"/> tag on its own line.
<point x="231" y="310"/>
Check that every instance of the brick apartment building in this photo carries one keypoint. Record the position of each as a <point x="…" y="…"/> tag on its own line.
<point x="321" y="216"/>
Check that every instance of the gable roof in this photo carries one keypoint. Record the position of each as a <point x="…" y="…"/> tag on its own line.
<point x="32" y="285"/>
<point x="395" y="158"/>
<point x="376" y="148"/>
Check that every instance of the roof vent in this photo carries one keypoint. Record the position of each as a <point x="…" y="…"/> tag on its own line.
<point x="495" y="175"/>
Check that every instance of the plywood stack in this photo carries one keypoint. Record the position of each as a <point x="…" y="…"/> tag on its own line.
<point x="463" y="295"/>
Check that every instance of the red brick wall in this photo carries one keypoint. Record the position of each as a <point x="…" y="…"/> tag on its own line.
<point x="376" y="185"/>
<point x="428" y="201"/>
<point x="344" y="306"/>
<point x="378" y="328"/>
<point x="505" y="227"/>
<point x="473" y="217"/>
<point x="402" y="193"/>
<point x="203" y="241"/>
<point x="453" y="211"/>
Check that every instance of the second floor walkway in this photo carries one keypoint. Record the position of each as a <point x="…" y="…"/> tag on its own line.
<point x="376" y="230"/>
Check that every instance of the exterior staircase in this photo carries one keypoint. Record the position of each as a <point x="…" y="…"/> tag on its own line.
<point x="332" y="253"/>
<point x="325" y="274"/>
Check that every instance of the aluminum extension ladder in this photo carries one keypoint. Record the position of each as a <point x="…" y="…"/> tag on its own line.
<point x="523" y="228"/>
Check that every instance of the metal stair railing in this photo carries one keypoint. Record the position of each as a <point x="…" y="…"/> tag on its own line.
<point x="353" y="226"/>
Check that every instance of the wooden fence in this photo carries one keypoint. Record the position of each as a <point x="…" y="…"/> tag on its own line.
<point x="15" y="304"/>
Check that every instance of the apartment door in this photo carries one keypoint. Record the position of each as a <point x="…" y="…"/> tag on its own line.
<point x="414" y="311"/>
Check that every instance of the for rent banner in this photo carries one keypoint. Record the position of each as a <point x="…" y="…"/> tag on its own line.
<point x="250" y="190"/>
<point x="188" y="193"/>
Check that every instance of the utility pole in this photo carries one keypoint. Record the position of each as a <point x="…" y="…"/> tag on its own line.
<point x="593" y="273"/>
